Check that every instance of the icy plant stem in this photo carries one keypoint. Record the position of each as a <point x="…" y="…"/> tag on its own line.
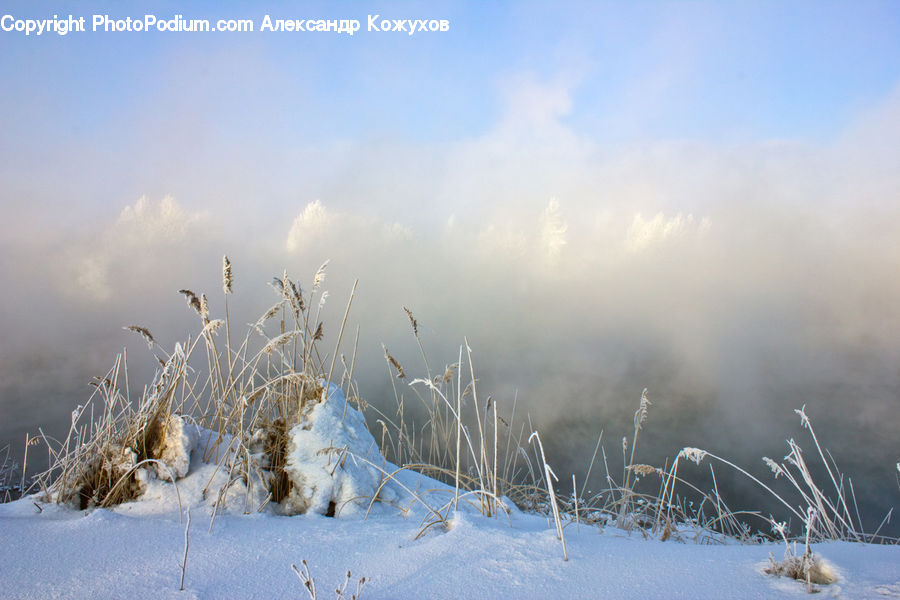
<point x="308" y="584"/>
<point x="338" y="345"/>
<point x="510" y="456"/>
<point x="591" y="465"/>
<point x="24" y="466"/>
<point x="227" y="282"/>
<point x="483" y="456"/>
<point x="575" y="499"/>
<point x="549" y="475"/>
<point x="187" y="530"/>
<point x="670" y="485"/>
<point x="494" y="473"/>
<point x="808" y="424"/>
<point x="458" y="427"/>
<point x="352" y="364"/>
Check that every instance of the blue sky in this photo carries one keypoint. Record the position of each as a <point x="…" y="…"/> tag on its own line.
<point x="636" y="70"/>
<point x="109" y="117"/>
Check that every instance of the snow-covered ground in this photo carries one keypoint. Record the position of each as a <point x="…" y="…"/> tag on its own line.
<point x="136" y="550"/>
<point x="130" y="552"/>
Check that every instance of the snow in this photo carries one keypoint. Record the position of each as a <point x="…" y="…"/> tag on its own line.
<point x="135" y="550"/>
<point x="179" y="442"/>
<point x="332" y="461"/>
<point x="125" y="553"/>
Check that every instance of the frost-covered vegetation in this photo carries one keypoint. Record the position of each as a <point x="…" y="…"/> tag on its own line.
<point x="265" y="413"/>
<point x="272" y="422"/>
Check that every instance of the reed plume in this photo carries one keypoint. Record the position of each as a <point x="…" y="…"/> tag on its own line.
<point x="192" y="300"/>
<point x="227" y="278"/>
<point x="144" y="333"/>
<point x="393" y="361"/>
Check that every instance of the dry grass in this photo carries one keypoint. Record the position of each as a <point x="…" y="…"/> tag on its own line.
<point x="9" y="488"/>
<point x="483" y="455"/>
<point x="340" y="593"/>
<point x="807" y="567"/>
<point x="98" y="463"/>
<point x="251" y="391"/>
<point x="249" y="396"/>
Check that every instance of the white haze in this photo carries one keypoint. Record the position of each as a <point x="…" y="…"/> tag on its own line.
<point x="735" y="280"/>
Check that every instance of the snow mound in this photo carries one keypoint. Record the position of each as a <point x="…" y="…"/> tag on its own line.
<point x="331" y="461"/>
<point x="179" y="440"/>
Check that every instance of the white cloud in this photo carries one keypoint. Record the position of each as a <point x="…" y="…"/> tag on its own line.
<point x="308" y="226"/>
<point x="397" y="232"/>
<point x="644" y="234"/>
<point x="139" y="239"/>
<point x="148" y="222"/>
<point x="502" y="241"/>
<point x="553" y="230"/>
<point x="92" y="277"/>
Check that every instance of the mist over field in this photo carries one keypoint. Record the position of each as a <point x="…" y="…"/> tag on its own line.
<point x="736" y="277"/>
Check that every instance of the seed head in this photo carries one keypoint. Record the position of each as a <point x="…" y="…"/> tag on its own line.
<point x="192" y="300"/>
<point x="144" y="333"/>
<point x="227" y="279"/>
